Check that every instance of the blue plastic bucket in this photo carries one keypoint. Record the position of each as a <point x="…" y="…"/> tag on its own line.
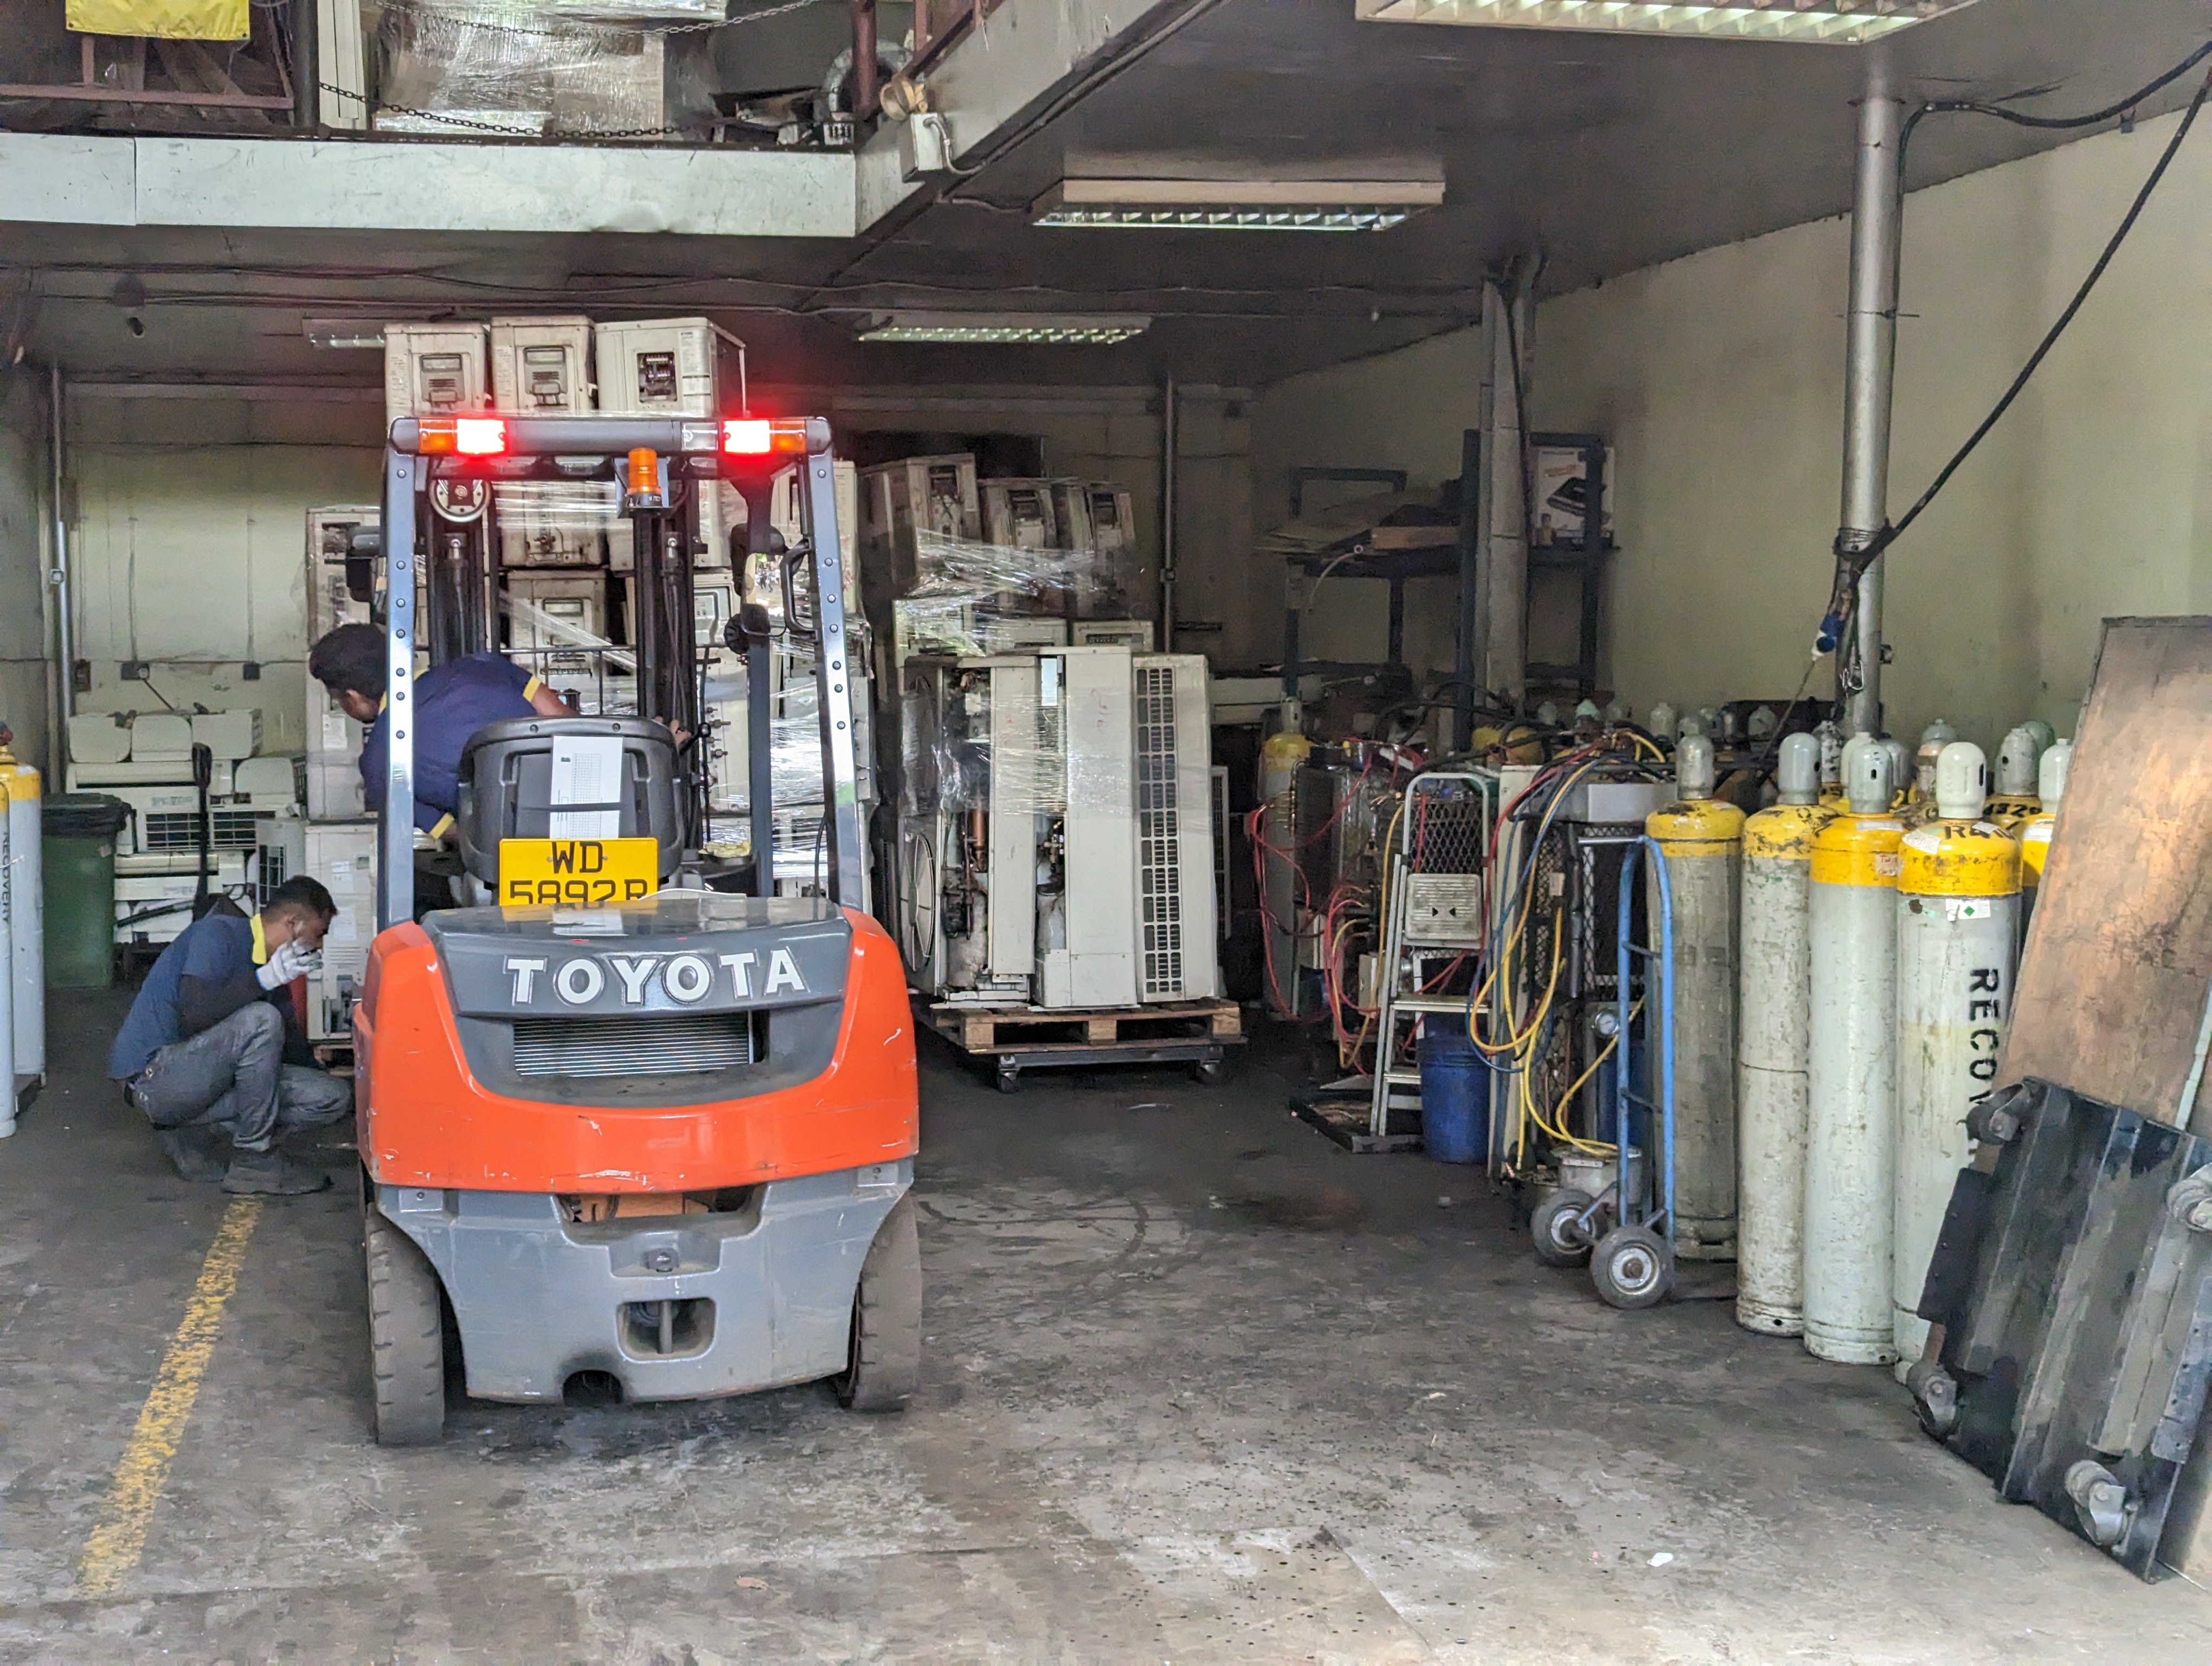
<point x="1455" y="1093"/>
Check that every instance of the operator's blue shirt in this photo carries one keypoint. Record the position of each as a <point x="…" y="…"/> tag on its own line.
<point x="452" y="703"/>
<point x="217" y="947"/>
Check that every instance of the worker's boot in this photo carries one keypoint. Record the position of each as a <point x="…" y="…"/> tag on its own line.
<point x="192" y="1151"/>
<point x="271" y="1174"/>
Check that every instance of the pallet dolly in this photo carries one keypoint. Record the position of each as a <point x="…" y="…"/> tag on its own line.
<point x="1629" y="1243"/>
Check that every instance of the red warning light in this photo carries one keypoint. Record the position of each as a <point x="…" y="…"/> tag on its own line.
<point x="759" y="437"/>
<point x="462" y="436"/>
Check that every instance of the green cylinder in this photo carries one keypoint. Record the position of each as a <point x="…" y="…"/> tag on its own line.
<point x="78" y="849"/>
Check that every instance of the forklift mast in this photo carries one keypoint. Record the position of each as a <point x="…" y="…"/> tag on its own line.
<point x="438" y="506"/>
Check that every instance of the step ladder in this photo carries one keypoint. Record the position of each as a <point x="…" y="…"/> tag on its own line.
<point x="1435" y="914"/>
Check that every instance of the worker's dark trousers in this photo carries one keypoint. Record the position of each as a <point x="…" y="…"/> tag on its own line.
<point x="232" y="1078"/>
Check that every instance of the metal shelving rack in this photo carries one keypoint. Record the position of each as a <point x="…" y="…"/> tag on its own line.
<point x="1585" y="559"/>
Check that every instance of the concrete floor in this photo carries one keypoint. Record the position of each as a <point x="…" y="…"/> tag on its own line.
<point x="1198" y="1387"/>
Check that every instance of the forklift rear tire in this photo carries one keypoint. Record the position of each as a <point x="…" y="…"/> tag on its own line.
<point x="886" y="1359"/>
<point x="406" y="1337"/>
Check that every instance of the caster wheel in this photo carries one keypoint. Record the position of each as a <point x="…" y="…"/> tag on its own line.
<point x="1562" y="1240"/>
<point x="1210" y="1072"/>
<point x="1632" y="1267"/>
<point x="1010" y="1079"/>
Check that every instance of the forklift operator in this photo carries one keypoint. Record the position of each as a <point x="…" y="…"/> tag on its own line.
<point x="452" y="703"/>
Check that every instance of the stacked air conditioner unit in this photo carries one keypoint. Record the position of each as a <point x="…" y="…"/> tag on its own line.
<point x="341" y="546"/>
<point x="1091" y="518"/>
<point x="676" y="367"/>
<point x="336" y="842"/>
<point x="343" y="856"/>
<point x="1056" y="829"/>
<point x="434" y="370"/>
<point x="146" y="760"/>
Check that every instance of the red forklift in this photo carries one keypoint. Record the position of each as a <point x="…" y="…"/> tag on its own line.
<point x="629" y="1121"/>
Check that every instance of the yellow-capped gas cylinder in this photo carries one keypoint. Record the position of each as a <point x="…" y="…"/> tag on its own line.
<point x="22" y="890"/>
<point x="1851" y="1069"/>
<point x="1773" y="1032"/>
<point x="8" y="1095"/>
<point x="1700" y="838"/>
<point x="1900" y="778"/>
<point x="1958" y="933"/>
<point x="2050" y="772"/>
<point x="2015" y="802"/>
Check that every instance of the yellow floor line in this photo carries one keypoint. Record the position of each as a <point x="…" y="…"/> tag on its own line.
<point x="143" y="1474"/>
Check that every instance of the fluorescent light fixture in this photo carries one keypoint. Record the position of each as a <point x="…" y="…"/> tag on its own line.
<point x="343" y="331"/>
<point x="1238" y="204"/>
<point x="1038" y="328"/>
<point x="1838" y="22"/>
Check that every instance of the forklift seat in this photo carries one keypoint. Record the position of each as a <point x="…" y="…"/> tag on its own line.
<point x="506" y="787"/>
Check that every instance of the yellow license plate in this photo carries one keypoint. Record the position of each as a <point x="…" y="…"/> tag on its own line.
<point x="578" y="872"/>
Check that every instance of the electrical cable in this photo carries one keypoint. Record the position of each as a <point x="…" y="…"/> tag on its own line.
<point x="2120" y="108"/>
<point x="1852" y="565"/>
<point x="1764" y="761"/>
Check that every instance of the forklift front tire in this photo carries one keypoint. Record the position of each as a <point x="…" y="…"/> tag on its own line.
<point x="406" y="1336"/>
<point x="886" y="1360"/>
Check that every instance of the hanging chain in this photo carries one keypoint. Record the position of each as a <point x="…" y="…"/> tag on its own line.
<point x="512" y="132"/>
<point x="605" y="26"/>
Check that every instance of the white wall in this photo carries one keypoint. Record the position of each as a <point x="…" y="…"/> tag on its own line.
<point x="22" y="560"/>
<point x="194" y="558"/>
<point x="1719" y="379"/>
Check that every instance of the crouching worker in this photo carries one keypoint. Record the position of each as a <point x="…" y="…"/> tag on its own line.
<point x="210" y="1050"/>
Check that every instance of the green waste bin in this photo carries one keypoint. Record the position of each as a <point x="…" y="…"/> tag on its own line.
<point x="78" y="849"/>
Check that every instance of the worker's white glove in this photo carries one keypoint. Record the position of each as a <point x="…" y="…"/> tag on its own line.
<point x="289" y="961"/>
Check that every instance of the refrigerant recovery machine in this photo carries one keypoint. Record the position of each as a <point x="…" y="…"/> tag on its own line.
<point x="621" y="1126"/>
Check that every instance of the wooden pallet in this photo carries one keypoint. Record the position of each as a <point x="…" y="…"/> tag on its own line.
<point x="1031" y="1030"/>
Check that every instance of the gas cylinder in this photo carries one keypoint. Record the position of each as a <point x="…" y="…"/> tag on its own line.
<point x="2050" y="771"/>
<point x="1900" y="774"/>
<point x="1281" y="756"/>
<point x="2045" y="736"/>
<point x="7" y="893"/>
<point x="1958" y="930"/>
<point x="1851" y="1069"/>
<point x="1933" y="739"/>
<point x="26" y="909"/>
<point x="2015" y="800"/>
<point x="1700" y="839"/>
<point x="1830" y="738"/>
<point x="1773" y="1029"/>
<point x="1661" y="720"/>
